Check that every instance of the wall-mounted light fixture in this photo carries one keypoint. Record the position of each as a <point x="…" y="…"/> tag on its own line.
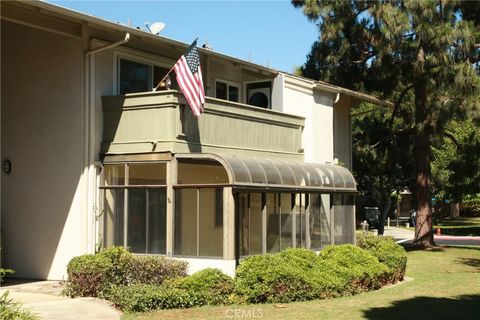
<point x="7" y="166"/>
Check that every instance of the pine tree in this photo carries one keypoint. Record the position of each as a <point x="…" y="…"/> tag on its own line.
<point x="425" y="49"/>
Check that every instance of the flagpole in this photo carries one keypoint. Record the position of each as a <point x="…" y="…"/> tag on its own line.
<point x="158" y="85"/>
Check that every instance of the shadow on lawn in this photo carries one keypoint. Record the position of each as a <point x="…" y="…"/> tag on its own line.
<point x="464" y="307"/>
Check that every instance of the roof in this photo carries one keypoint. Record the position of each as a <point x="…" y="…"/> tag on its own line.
<point x="89" y="19"/>
<point x="248" y="173"/>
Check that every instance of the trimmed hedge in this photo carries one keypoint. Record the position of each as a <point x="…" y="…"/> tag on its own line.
<point x="145" y="283"/>
<point x="356" y="269"/>
<point x="95" y="275"/>
<point x="215" y="286"/>
<point x="387" y="252"/>
<point x="299" y="274"/>
<point x="206" y="287"/>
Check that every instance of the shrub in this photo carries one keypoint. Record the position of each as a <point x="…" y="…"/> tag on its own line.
<point x="87" y="275"/>
<point x="155" y="270"/>
<point x="11" y="310"/>
<point x="143" y="298"/>
<point x="352" y="269"/>
<point x="4" y="272"/>
<point x="95" y="275"/>
<point x="387" y="252"/>
<point x="271" y="278"/>
<point x="214" y="286"/>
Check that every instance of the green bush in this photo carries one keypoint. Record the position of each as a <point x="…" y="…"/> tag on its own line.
<point x="87" y="275"/>
<point x="12" y="310"/>
<point x="95" y="275"/>
<point x="143" y="298"/>
<point x="355" y="269"/>
<point x="387" y="252"/>
<point x="4" y="272"/>
<point x="299" y="274"/>
<point x="214" y="286"/>
<point x="272" y="278"/>
<point x="206" y="287"/>
<point x="155" y="270"/>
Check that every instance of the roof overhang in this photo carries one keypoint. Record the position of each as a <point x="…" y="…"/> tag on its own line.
<point x="275" y="175"/>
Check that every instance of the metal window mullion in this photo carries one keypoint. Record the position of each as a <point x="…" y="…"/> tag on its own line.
<point x="264" y="223"/>
<point x="294" y="219"/>
<point x="147" y="220"/>
<point x="125" y="207"/>
<point x="279" y="212"/>
<point x="307" y="221"/>
<point x="198" y="222"/>
<point x="249" y="224"/>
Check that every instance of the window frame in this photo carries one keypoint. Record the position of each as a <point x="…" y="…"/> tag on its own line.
<point x="126" y="187"/>
<point x="229" y="84"/>
<point x="139" y="57"/>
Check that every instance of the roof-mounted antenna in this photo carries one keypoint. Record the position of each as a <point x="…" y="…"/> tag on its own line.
<point x="155" y="27"/>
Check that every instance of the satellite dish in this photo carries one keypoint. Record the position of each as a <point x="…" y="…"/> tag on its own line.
<point x="156" y="27"/>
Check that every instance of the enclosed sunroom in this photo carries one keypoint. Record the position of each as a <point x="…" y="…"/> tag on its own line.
<point x="213" y="210"/>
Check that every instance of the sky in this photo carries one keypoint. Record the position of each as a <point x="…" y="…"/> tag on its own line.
<point x="270" y="33"/>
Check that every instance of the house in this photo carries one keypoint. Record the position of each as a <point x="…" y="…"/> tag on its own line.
<point x="91" y="157"/>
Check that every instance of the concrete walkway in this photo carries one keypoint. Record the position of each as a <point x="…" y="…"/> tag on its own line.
<point x="42" y="297"/>
<point x="399" y="234"/>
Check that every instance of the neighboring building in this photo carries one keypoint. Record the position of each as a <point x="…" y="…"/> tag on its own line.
<point x="97" y="159"/>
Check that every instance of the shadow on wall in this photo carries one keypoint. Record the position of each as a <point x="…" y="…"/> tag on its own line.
<point x="463" y="307"/>
<point x="41" y="135"/>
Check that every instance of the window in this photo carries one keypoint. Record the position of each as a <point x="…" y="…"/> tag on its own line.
<point x="196" y="232"/>
<point x="198" y="222"/>
<point x="227" y="91"/>
<point x="135" y="208"/>
<point x="135" y="76"/>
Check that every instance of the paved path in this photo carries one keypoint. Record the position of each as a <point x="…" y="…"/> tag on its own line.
<point x="406" y="236"/>
<point x="45" y="301"/>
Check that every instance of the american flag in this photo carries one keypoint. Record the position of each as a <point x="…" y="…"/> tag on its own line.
<point x="189" y="78"/>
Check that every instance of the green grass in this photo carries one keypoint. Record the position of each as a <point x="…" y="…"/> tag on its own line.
<point x="460" y="226"/>
<point x="445" y="285"/>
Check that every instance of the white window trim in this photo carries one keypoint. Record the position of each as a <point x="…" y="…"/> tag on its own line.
<point x="230" y="83"/>
<point x="140" y="57"/>
<point x="245" y="83"/>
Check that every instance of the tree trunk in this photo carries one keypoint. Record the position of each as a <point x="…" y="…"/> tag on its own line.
<point x="386" y="203"/>
<point x="454" y="210"/>
<point x="423" y="229"/>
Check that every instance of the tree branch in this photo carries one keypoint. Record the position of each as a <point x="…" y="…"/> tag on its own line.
<point x="452" y="138"/>
<point x="398" y="102"/>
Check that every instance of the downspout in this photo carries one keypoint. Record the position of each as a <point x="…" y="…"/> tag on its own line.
<point x="90" y="131"/>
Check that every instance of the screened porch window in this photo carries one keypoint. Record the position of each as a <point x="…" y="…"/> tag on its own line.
<point x="135" y="207"/>
<point x="198" y="223"/>
<point x="300" y="220"/>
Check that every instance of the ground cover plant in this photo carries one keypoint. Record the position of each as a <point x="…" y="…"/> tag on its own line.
<point x="12" y="310"/>
<point x="440" y="286"/>
<point x="140" y="283"/>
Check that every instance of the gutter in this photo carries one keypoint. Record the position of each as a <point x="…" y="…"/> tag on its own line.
<point x="108" y="46"/>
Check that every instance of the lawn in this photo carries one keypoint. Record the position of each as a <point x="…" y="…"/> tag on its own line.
<point x="456" y="227"/>
<point x="460" y="226"/>
<point x="445" y="285"/>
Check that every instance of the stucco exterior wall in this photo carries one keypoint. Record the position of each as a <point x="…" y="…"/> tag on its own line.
<point x="342" y="132"/>
<point x="43" y="204"/>
<point x="316" y="106"/>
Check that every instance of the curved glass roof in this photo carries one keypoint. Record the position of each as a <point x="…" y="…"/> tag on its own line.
<point x="286" y="174"/>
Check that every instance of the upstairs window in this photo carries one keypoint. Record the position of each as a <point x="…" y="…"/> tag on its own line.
<point x="134" y="76"/>
<point x="227" y="90"/>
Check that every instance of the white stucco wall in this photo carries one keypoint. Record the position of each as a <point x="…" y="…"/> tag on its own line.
<point x="299" y="98"/>
<point x="43" y="198"/>
<point x="342" y="130"/>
